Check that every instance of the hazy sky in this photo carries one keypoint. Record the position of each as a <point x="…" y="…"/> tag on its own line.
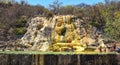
<point x="65" y="2"/>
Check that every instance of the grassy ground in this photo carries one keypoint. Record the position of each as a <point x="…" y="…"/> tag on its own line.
<point x="56" y="53"/>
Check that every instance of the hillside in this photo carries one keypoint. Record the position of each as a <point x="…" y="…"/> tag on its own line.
<point x="102" y="18"/>
<point x="12" y="15"/>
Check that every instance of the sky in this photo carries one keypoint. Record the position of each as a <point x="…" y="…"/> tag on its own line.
<point x="46" y="3"/>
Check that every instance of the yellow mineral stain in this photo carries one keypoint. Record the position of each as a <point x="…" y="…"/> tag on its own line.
<point x="41" y="59"/>
<point x="36" y="59"/>
<point x="72" y="39"/>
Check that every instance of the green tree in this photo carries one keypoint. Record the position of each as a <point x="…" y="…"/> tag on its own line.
<point x="112" y="30"/>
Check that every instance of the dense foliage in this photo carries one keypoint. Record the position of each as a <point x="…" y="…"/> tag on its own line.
<point x="20" y="27"/>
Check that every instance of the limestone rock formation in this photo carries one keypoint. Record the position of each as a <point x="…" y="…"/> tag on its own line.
<point x="37" y="34"/>
<point x="58" y="33"/>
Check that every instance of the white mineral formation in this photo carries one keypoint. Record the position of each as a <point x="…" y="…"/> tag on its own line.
<point x="35" y="35"/>
<point x="62" y="32"/>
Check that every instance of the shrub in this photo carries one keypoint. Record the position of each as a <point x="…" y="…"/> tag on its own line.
<point x="21" y="23"/>
<point x="20" y="31"/>
<point x="112" y="30"/>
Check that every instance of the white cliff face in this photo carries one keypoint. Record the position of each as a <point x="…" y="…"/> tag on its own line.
<point x="35" y="33"/>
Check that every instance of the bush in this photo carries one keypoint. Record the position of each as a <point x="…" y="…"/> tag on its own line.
<point x="112" y="30"/>
<point x="20" y="28"/>
<point x="21" y="23"/>
<point x="20" y="31"/>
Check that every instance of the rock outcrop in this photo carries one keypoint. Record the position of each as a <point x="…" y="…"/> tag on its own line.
<point x="58" y="33"/>
<point x="36" y="37"/>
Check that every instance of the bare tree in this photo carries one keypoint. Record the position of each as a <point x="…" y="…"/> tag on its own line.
<point x="55" y="6"/>
<point x="107" y="1"/>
